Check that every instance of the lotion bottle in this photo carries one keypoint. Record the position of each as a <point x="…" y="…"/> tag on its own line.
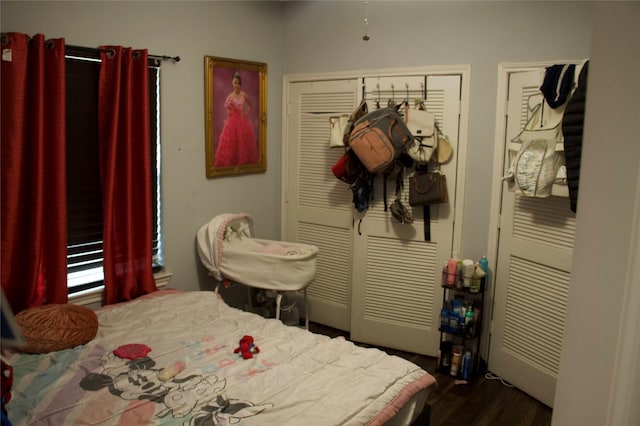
<point x="455" y="362"/>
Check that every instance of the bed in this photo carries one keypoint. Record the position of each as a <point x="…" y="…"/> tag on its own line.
<point x="172" y="358"/>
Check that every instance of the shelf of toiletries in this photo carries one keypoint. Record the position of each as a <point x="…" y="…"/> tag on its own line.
<point x="460" y="331"/>
<point x="464" y="284"/>
<point x="460" y="317"/>
<point x="465" y="275"/>
<point x="458" y="361"/>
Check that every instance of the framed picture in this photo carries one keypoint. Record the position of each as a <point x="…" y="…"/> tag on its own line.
<point x="235" y="116"/>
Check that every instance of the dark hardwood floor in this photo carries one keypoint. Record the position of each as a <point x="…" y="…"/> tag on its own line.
<point x="482" y="402"/>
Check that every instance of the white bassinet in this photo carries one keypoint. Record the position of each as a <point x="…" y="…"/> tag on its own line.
<point x="229" y="251"/>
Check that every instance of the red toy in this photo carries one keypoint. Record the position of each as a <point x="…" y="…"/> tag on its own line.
<point x="247" y="348"/>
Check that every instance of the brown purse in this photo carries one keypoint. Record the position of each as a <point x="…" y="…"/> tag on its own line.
<point x="427" y="188"/>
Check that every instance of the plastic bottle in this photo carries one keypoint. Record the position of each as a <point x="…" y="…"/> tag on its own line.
<point x="444" y="319"/>
<point x="455" y="361"/>
<point x="484" y="264"/>
<point x="451" y="272"/>
<point x="468" y="315"/>
<point x="445" y="356"/>
<point x="466" y="366"/>
<point x="476" y="279"/>
<point x="467" y="271"/>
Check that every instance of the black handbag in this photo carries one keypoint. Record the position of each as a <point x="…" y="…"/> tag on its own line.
<point x="427" y="188"/>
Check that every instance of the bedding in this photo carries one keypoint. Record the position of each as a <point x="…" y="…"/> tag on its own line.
<point x="177" y="366"/>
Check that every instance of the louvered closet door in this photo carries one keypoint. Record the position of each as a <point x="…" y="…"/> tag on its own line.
<point x="396" y="296"/>
<point x="533" y="272"/>
<point x="318" y="206"/>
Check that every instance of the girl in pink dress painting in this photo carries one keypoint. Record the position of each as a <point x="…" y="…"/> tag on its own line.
<point x="237" y="143"/>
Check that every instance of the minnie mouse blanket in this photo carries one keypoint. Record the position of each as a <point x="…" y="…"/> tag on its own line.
<point x="170" y="360"/>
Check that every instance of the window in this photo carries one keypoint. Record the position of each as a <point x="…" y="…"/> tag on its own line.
<point x="84" y="195"/>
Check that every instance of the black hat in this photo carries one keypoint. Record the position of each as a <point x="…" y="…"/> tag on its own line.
<point x="558" y="83"/>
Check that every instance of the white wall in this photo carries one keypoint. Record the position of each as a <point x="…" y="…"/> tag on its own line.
<point x="599" y="379"/>
<point x="240" y="30"/>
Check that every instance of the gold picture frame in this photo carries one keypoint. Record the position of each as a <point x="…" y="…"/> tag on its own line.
<point x="235" y="116"/>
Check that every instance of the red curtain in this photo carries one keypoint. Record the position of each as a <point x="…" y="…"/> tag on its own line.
<point x="33" y="186"/>
<point x="125" y="173"/>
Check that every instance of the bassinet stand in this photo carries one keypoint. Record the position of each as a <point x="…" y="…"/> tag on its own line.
<point x="279" y="303"/>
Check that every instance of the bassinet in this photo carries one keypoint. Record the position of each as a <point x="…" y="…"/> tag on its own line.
<point x="229" y="251"/>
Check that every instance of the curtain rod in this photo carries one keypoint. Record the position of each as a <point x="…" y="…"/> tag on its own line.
<point x="97" y="51"/>
<point x="165" y="58"/>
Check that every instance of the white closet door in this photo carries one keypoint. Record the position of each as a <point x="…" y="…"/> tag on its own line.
<point x="317" y="205"/>
<point x="375" y="277"/>
<point x="396" y="295"/>
<point x="533" y="270"/>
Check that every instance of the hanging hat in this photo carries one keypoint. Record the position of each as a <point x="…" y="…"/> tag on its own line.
<point x="444" y="150"/>
<point x="557" y="84"/>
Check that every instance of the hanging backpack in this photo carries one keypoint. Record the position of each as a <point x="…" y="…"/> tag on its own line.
<point x="537" y="155"/>
<point x="378" y="138"/>
<point x="421" y="124"/>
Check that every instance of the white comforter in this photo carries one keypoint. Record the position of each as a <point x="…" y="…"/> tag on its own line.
<point x="297" y="378"/>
